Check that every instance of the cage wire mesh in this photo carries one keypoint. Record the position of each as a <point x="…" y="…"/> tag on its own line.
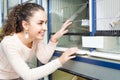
<point x="108" y="14"/>
<point x="75" y="10"/>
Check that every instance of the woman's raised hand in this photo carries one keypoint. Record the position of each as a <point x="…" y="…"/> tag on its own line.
<point x="61" y="32"/>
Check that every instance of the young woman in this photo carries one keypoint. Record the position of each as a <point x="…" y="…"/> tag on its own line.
<point x="22" y="39"/>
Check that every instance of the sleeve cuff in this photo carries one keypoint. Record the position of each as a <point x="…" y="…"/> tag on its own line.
<point x="58" y="63"/>
<point x="52" y="44"/>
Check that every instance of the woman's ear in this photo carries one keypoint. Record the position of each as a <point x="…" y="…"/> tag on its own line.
<point x="25" y="25"/>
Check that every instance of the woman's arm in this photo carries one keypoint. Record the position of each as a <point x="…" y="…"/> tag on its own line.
<point x="22" y="69"/>
<point x="44" y="53"/>
<point x="12" y="52"/>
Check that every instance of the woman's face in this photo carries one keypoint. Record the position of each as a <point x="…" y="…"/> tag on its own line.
<point x="37" y="25"/>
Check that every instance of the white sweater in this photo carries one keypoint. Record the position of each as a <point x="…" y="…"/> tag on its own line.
<point x="14" y="56"/>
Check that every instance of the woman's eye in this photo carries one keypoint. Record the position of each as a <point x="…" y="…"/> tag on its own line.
<point x="40" y="23"/>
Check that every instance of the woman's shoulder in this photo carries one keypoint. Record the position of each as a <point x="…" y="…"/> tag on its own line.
<point x="9" y="39"/>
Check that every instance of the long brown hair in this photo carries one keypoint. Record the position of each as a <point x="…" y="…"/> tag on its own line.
<point x="13" y="23"/>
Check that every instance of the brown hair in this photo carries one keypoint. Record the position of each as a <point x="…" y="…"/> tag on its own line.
<point x="21" y="12"/>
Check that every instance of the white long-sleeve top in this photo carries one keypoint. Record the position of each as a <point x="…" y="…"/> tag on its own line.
<point x="14" y="56"/>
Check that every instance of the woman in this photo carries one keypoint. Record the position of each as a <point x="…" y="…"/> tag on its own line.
<point x="22" y="39"/>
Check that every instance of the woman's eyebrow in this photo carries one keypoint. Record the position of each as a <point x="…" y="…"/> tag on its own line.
<point x="43" y="20"/>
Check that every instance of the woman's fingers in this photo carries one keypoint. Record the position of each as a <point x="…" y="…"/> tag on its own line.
<point x="71" y="57"/>
<point x="66" y="24"/>
<point x="61" y="32"/>
<point x="66" y="31"/>
<point x="68" y="54"/>
<point x="72" y="50"/>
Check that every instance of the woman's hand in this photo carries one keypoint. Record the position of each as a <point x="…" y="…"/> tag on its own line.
<point x="61" y="32"/>
<point x="68" y="54"/>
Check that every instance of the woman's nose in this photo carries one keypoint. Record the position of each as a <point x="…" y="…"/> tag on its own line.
<point x="45" y="27"/>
